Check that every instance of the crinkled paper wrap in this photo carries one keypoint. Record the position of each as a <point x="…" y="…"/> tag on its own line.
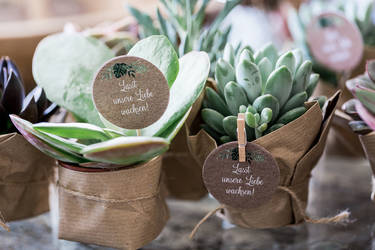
<point x="24" y="177"/>
<point x="368" y="144"/>
<point x="183" y="173"/>
<point x="297" y="148"/>
<point x="123" y="209"/>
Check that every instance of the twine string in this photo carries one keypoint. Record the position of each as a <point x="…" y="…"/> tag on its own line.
<point x="3" y="223"/>
<point x="340" y="218"/>
<point x="100" y="199"/>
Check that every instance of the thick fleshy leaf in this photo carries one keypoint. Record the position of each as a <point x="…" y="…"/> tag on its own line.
<point x="13" y="94"/>
<point x="126" y="150"/>
<point x="279" y="84"/>
<point x="366" y="97"/>
<point x="194" y="69"/>
<point x="37" y="140"/>
<point x="360" y="127"/>
<point x="62" y="143"/>
<point x="172" y="131"/>
<point x="73" y="130"/>
<point x="287" y="60"/>
<point x="370" y="68"/>
<point x="64" y="65"/>
<point x="40" y="99"/>
<point x="29" y="110"/>
<point x="271" y="53"/>
<point x="349" y="108"/>
<point x="365" y="115"/>
<point x="159" y="51"/>
<point x="249" y="78"/>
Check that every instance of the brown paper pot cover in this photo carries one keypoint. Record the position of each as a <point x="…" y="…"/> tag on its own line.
<point x="122" y="209"/>
<point x="183" y="173"/>
<point x="24" y="177"/>
<point x="368" y="143"/>
<point x="342" y="141"/>
<point x="297" y="148"/>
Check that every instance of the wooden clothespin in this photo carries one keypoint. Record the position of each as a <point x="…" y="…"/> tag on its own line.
<point x="241" y="137"/>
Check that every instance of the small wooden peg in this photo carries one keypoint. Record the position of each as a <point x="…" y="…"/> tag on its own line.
<point x="241" y="137"/>
<point x="138" y="132"/>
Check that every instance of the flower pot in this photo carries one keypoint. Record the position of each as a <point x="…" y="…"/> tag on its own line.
<point x="296" y="147"/>
<point x="122" y="208"/>
<point x="368" y="144"/>
<point x="24" y="178"/>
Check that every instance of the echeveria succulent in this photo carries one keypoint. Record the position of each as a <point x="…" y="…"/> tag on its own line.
<point x="359" y="12"/>
<point x="362" y="108"/>
<point x="184" y="26"/>
<point x="64" y="66"/>
<point x="269" y="88"/>
<point x="34" y="107"/>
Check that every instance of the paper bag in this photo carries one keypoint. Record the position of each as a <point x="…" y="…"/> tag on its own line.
<point x="296" y="148"/>
<point x="183" y="173"/>
<point x="24" y="176"/>
<point x="124" y="208"/>
<point x="368" y="144"/>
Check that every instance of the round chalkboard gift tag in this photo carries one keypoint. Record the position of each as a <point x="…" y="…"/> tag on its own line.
<point x="130" y="92"/>
<point x="238" y="184"/>
<point x="335" y="42"/>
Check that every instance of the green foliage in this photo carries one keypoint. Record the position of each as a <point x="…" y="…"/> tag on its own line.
<point x="269" y="89"/>
<point x="33" y="107"/>
<point x="68" y="80"/>
<point x="184" y="26"/>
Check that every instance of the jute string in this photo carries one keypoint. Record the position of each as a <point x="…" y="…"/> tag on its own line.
<point x="3" y="223"/>
<point x="341" y="218"/>
<point x="99" y="199"/>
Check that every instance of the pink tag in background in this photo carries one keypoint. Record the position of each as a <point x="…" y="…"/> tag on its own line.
<point x="335" y="42"/>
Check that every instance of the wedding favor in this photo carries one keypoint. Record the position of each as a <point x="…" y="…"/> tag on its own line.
<point x="339" y="44"/>
<point x="285" y="137"/>
<point x="24" y="170"/>
<point x="361" y="110"/>
<point x="143" y="99"/>
<point x="183" y="173"/>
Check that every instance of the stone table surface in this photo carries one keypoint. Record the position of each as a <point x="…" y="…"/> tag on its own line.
<point x="337" y="184"/>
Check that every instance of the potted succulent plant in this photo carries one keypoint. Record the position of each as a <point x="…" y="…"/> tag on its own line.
<point x="342" y="141"/>
<point x="272" y="91"/>
<point x="185" y="27"/>
<point x="25" y="171"/>
<point x="362" y="112"/>
<point x="128" y="167"/>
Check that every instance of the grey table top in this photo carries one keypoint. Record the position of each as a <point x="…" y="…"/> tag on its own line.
<point x="336" y="184"/>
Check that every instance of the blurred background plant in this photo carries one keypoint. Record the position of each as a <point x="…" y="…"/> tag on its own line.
<point x="184" y="26"/>
<point x="358" y="12"/>
<point x="362" y="107"/>
<point x="33" y="107"/>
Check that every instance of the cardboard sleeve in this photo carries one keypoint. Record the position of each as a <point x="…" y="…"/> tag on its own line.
<point x="368" y="144"/>
<point x="122" y="209"/>
<point x="296" y="148"/>
<point x="24" y="178"/>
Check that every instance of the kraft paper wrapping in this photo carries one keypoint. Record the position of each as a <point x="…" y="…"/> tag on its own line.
<point x="24" y="178"/>
<point x="183" y="173"/>
<point x="297" y="148"/>
<point x="122" y="209"/>
<point x="368" y="144"/>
